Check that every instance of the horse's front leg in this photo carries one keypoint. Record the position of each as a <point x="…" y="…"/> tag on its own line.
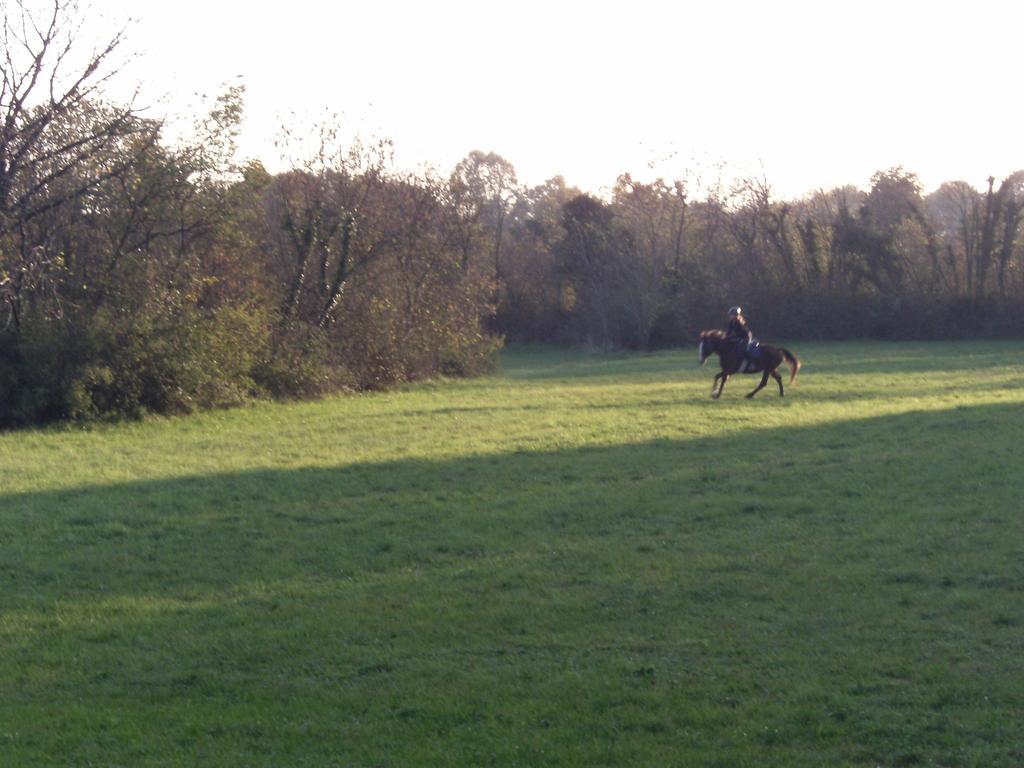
<point x="724" y="377"/>
<point x="759" y="387"/>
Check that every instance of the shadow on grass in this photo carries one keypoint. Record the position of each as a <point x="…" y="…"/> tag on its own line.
<point x="253" y="521"/>
<point x="798" y="596"/>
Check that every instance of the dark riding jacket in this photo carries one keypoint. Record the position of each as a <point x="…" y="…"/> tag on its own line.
<point x="738" y="331"/>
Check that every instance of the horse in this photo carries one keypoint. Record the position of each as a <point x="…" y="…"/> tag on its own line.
<point x="732" y="361"/>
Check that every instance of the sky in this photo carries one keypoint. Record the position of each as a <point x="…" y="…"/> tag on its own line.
<point x="806" y="95"/>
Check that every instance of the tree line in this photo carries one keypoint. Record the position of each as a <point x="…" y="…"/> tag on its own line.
<point x="651" y="265"/>
<point x="143" y="275"/>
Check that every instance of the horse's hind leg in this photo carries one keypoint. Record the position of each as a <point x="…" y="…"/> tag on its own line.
<point x="775" y="375"/>
<point x="759" y="387"/>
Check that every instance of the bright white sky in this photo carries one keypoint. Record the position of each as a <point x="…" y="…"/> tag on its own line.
<point x="807" y="94"/>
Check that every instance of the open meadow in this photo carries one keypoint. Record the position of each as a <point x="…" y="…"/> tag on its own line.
<point x="581" y="560"/>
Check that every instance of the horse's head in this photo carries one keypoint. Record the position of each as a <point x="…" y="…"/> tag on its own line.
<point x="709" y="342"/>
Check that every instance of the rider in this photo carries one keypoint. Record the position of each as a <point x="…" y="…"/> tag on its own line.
<point x="739" y="332"/>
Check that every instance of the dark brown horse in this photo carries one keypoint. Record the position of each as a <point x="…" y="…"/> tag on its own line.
<point x="732" y="361"/>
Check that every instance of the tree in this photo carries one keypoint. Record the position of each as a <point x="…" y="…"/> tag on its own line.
<point x="532" y="306"/>
<point x="655" y="216"/>
<point x="955" y="209"/>
<point x="597" y="258"/>
<point x="315" y="213"/>
<point x="1001" y="219"/>
<point x="58" y="141"/>
<point x="886" y="236"/>
<point x="484" y="188"/>
<point x="980" y="231"/>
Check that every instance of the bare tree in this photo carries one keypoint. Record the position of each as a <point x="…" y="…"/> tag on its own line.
<point x="317" y="212"/>
<point x="955" y="207"/>
<point x="1012" y="193"/>
<point x="44" y="102"/>
<point x="58" y="140"/>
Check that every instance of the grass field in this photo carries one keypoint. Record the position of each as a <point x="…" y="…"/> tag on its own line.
<point x="580" y="561"/>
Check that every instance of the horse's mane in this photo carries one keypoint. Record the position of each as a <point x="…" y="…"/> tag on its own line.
<point x="715" y="334"/>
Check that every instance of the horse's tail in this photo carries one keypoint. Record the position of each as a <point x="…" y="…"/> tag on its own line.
<point x="792" y="362"/>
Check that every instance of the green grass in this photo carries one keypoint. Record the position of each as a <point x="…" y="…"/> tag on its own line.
<point x="580" y="561"/>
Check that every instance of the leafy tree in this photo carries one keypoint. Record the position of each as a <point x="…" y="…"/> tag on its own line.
<point x="483" y="190"/>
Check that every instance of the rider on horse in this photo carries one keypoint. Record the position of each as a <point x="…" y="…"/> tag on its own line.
<point x="739" y="333"/>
